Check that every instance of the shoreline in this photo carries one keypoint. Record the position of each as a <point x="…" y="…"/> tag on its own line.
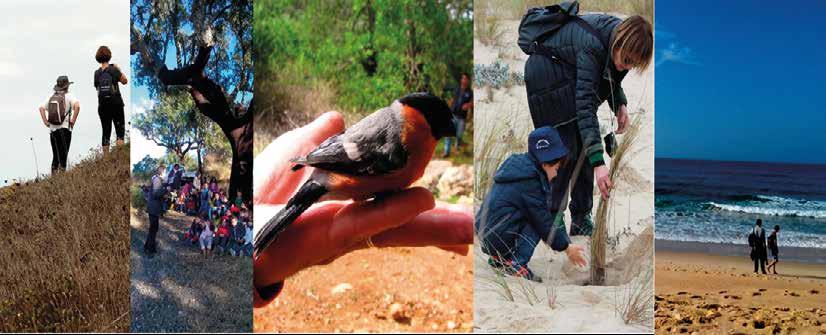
<point x="787" y="254"/>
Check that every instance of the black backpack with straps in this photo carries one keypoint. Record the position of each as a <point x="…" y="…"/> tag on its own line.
<point x="107" y="85"/>
<point x="540" y="23"/>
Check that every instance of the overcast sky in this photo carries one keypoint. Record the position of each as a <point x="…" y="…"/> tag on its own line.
<point x="44" y="39"/>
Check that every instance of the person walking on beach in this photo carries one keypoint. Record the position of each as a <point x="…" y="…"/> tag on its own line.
<point x="110" y="102"/>
<point x="154" y="205"/>
<point x="59" y="114"/>
<point x="516" y="215"/>
<point x="461" y="104"/>
<point x="570" y="72"/>
<point x="757" y="240"/>
<point x="773" y="247"/>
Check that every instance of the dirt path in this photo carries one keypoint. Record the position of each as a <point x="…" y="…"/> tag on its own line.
<point x="377" y="290"/>
<point x="178" y="290"/>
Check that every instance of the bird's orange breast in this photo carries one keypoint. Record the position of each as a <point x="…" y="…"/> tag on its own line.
<point x="419" y="143"/>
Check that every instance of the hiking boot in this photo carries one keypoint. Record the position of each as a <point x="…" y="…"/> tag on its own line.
<point x="582" y="225"/>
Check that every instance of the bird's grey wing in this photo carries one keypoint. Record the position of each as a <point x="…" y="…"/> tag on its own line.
<point x="370" y="147"/>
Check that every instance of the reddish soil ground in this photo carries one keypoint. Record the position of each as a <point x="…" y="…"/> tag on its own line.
<point x="377" y="290"/>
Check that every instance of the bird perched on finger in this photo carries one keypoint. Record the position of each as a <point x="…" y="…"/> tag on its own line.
<point x="386" y="151"/>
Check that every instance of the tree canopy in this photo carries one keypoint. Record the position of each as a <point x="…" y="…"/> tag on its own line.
<point x="173" y="28"/>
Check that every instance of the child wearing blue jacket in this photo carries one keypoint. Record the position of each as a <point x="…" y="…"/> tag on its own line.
<point x="516" y="213"/>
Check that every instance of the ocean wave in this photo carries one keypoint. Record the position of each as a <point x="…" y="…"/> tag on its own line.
<point x="774" y="206"/>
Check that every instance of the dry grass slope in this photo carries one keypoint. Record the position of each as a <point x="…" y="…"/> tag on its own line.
<point x="66" y="249"/>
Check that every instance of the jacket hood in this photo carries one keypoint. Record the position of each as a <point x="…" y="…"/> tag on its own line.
<point x="516" y="168"/>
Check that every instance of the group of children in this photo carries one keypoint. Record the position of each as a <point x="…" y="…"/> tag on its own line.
<point x="220" y="224"/>
<point x="230" y="233"/>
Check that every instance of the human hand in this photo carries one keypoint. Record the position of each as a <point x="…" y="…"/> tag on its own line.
<point x="603" y="181"/>
<point x="408" y="218"/>
<point x="622" y="119"/>
<point x="575" y="255"/>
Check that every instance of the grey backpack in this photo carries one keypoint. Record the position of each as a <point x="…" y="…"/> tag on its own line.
<point x="57" y="108"/>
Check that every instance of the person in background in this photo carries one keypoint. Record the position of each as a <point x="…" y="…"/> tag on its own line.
<point x="773" y="247"/>
<point x="59" y="114"/>
<point x="222" y="236"/>
<point x="248" y="238"/>
<point x="110" y="102"/>
<point x="237" y="237"/>
<point x="206" y="237"/>
<point x="758" y="250"/>
<point x="157" y="193"/>
<point x="461" y="104"/>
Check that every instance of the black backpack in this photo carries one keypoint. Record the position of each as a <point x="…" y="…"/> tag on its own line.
<point x="107" y="86"/>
<point x="57" y="108"/>
<point x="540" y="23"/>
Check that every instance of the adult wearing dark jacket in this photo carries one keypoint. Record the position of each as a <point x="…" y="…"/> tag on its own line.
<point x="590" y="61"/>
<point x="154" y="206"/>
<point x="110" y="101"/>
<point x="516" y="213"/>
<point x="758" y="250"/>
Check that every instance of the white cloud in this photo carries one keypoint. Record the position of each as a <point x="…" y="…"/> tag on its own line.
<point x="674" y="52"/>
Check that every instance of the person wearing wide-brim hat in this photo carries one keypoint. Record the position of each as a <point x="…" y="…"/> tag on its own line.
<point x="59" y="114"/>
<point x="516" y="212"/>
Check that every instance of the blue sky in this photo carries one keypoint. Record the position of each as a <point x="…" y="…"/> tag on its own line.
<point x="741" y="80"/>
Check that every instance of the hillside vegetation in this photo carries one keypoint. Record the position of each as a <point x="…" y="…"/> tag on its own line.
<point x="66" y="249"/>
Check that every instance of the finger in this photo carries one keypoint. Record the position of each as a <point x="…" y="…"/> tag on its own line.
<point x="274" y="181"/>
<point x="441" y="227"/>
<point x="360" y="220"/>
<point x="602" y="189"/>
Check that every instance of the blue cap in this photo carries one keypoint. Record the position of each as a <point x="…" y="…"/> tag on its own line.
<point x="545" y="145"/>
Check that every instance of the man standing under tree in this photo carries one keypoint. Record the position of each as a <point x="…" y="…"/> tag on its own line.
<point x="154" y="204"/>
<point x="63" y="109"/>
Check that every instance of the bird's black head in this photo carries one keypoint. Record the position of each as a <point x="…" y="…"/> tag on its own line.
<point x="435" y="111"/>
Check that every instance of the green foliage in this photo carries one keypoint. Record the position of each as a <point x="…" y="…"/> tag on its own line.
<point x="174" y="27"/>
<point x="138" y="200"/>
<point x="172" y="123"/>
<point x="144" y="168"/>
<point x="370" y="51"/>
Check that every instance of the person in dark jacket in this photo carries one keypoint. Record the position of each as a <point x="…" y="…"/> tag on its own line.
<point x="774" y="249"/>
<point x="110" y="101"/>
<point x="516" y="213"/>
<point x="758" y="250"/>
<point x="154" y="205"/>
<point x="590" y="61"/>
<point x="460" y="105"/>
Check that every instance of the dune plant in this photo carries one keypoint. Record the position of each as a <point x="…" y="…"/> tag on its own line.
<point x="634" y="304"/>
<point x="599" y="236"/>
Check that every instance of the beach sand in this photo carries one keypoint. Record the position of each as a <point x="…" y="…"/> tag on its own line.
<point x="564" y="302"/>
<point x="708" y="293"/>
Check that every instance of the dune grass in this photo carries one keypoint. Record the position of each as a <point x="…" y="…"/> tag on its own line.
<point x="634" y="303"/>
<point x="599" y="236"/>
<point x="66" y="242"/>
